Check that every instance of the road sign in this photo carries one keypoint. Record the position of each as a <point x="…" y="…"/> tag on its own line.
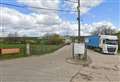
<point x="79" y="48"/>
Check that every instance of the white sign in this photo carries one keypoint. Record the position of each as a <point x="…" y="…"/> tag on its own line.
<point x="79" y="48"/>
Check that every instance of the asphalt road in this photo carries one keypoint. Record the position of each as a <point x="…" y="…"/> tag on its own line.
<point x="54" y="68"/>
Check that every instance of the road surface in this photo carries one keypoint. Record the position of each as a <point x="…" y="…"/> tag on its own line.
<point x="54" y="68"/>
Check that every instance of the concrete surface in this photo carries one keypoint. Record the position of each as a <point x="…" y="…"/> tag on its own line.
<point x="53" y="68"/>
<point x="104" y="68"/>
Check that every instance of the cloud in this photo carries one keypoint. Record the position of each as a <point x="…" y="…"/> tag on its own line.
<point x="14" y="21"/>
<point x="85" y="5"/>
<point x="47" y="19"/>
<point x="40" y="22"/>
<point x="86" y="29"/>
<point x="52" y="4"/>
<point x="118" y="29"/>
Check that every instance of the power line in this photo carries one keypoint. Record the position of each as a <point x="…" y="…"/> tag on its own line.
<point x="41" y="8"/>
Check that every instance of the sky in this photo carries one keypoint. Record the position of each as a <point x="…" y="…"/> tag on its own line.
<point x="28" y="21"/>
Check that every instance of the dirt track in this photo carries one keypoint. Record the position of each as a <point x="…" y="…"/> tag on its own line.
<point x="53" y="68"/>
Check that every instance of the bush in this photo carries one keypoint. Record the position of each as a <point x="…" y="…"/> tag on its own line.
<point x="54" y="39"/>
<point x="43" y="49"/>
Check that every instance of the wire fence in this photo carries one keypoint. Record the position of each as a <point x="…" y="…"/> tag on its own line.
<point x="35" y="49"/>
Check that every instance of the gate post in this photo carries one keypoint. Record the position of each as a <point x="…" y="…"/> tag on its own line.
<point x="28" y="49"/>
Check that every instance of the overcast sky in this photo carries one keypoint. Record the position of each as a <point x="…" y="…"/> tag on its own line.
<point x="37" y="22"/>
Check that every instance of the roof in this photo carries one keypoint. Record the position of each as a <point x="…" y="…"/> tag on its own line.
<point x="109" y="37"/>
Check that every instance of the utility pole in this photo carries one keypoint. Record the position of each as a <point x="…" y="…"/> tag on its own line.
<point x="78" y="9"/>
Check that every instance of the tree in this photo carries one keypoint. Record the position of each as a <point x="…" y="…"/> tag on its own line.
<point x="104" y="29"/>
<point x="13" y="38"/>
<point x="55" y="39"/>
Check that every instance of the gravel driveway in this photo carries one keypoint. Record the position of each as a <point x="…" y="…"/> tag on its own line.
<point x="53" y="68"/>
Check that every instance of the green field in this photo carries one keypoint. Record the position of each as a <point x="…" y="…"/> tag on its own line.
<point x="35" y="49"/>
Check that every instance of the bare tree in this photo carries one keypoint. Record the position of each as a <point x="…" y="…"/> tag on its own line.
<point x="104" y="29"/>
<point x="13" y="37"/>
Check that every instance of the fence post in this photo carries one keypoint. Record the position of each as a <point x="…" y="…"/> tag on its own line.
<point x="28" y="49"/>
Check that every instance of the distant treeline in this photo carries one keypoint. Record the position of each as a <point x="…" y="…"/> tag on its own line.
<point x="47" y="39"/>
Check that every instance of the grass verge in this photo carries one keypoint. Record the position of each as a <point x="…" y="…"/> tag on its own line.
<point x="43" y="49"/>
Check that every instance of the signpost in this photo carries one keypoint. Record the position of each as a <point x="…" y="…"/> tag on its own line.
<point x="79" y="48"/>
